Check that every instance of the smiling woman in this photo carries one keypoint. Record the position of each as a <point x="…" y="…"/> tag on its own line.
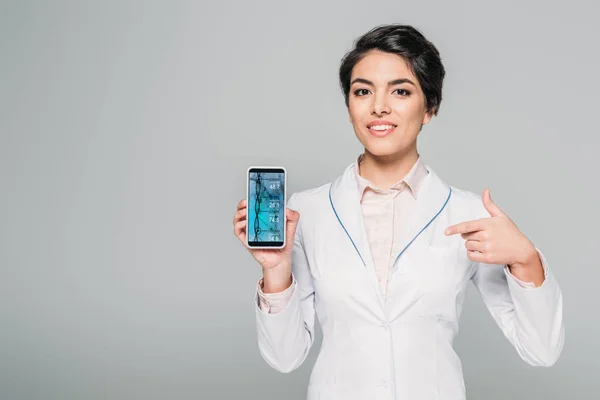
<point x="380" y="104"/>
<point x="392" y="84"/>
<point x="382" y="255"/>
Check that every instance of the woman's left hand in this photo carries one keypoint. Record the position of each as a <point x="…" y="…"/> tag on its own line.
<point x="495" y="240"/>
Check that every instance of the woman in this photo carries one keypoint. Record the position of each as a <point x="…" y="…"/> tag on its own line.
<point x="383" y="254"/>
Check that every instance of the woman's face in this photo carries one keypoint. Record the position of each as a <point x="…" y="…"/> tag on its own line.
<point x="386" y="104"/>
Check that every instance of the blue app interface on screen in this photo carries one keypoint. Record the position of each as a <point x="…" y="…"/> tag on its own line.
<point x="266" y="207"/>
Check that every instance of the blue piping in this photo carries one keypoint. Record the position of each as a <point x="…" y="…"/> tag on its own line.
<point x="340" y="221"/>
<point x="409" y="243"/>
<point x="425" y="227"/>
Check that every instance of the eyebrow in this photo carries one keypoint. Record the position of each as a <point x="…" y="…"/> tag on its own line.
<point x="390" y="83"/>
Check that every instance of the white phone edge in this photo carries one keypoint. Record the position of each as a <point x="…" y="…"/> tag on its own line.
<point x="284" y="205"/>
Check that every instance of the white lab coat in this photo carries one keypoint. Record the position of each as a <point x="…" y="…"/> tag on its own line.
<point x="399" y="347"/>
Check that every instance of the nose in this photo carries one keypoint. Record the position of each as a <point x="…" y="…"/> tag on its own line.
<point x="380" y="104"/>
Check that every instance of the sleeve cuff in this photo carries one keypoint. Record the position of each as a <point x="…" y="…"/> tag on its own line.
<point x="528" y="285"/>
<point x="274" y="303"/>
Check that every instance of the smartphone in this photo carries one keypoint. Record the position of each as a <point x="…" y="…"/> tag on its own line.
<point x="266" y="204"/>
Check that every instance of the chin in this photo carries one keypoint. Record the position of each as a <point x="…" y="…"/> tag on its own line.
<point x="383" y="149"/>
<point x="381" y="152"/>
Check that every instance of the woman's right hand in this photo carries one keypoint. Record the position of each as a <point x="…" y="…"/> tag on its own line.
<point x="271" y="260"/>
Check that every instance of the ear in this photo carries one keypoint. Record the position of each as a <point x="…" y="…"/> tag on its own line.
<point x="427" y="117"/>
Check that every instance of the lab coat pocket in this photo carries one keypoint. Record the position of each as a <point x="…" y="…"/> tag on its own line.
<point x="440" y="270"/>
<point x="443" y="275"/>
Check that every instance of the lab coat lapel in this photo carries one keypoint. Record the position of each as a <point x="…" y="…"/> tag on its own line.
<point x="345" y="203"/>
<point x="432" y="199"/>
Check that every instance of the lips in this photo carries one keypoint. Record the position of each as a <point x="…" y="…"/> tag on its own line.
<point x="379" y="122"/>
<point x="381" y="128"/>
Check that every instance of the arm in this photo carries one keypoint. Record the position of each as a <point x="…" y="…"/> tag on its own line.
<point x="529" y="313"/>
<point x="273" y="303"/>
<point x="530" y="317"/>
<point x="285" y="337"/>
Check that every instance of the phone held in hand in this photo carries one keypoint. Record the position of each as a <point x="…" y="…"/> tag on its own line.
<point x="266" y="204"/>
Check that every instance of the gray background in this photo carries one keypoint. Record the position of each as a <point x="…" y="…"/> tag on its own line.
<point x="126" y="129"/>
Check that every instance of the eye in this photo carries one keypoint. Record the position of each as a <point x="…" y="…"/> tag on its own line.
<point x="404" y="92"/>
<point x="358" y="92"/>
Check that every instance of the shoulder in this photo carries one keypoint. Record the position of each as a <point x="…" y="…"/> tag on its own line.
<point x="309" y="198"/>
<point x="313" y="206"/>
<point x="468" y="203"/>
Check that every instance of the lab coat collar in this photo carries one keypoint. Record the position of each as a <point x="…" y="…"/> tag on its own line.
<point x="413" y="178"/>
<point x="345" y="202"/>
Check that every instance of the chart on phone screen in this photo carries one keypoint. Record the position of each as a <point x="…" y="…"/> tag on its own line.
<point x="265" y="207"/>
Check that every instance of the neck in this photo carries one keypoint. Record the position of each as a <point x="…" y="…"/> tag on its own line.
<point x="385" y="171"/>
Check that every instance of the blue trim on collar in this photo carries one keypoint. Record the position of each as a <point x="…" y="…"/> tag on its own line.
<point x="409" y="243"/>
<point x="340" y="221"/>
<point x="425" y="227"/>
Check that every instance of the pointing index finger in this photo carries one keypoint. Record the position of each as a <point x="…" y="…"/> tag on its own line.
<point x="464" y="227"/>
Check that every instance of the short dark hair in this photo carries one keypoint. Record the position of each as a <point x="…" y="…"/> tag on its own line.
<point x="409" y="43"/>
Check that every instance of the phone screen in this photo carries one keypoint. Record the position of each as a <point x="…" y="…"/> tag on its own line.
<point x="266" y="207"/>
